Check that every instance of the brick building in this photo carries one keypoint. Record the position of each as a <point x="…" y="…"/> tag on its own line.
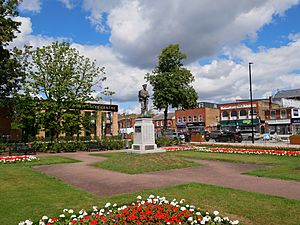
<point x="205" y="117"/>
<point x="279" y="121"/>
<point x="237" y="115"/>
<point x="158" y="121"/>
<point x="104" y="122"/>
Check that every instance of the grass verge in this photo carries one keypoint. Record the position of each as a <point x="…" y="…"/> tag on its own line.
<point x="283" y="167"/>
<point x="29" y="194"/>
<point x="142" y="163"/>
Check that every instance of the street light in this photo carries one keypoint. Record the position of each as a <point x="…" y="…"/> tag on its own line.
<point x="250" y="63"/>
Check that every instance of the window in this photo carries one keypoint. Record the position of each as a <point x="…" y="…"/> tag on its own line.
<point x="296" y="112"/>
<point x="243" y="112"/>
<point x="234" y="113"/>
<point x="225" y="114"/>
<point x="195" y="119"/>
<point x="283" y="114"/>
<point x="189" y="119"/>
<point x="273" y="114"/>
<point x="254" y="112"/>
<point x="200" y="118"/>
<point x="179" y="119"/>
<point x="183" y="119"/>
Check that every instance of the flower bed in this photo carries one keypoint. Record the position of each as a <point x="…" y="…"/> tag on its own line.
<point x="14" y="159"/>
<point x="251" y="151"/>
<point x="181" y="148"/>
<point x="150" y="211"/>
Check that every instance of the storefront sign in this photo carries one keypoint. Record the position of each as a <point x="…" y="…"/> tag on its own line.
<point x="98" y="107"/>
<point x="240" y="106"/>
<point x="180" y="124"/>
<point x="239" y="122"/>
<point x="196" y="124"/>
<point x="285" y="121"/>
<point x="295" y="120"/>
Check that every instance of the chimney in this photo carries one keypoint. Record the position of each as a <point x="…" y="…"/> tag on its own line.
<point x="270" y="102"/>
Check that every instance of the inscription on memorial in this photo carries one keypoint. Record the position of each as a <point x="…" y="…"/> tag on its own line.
<point x="138" y="129"/>
<point x="149" y="147"/>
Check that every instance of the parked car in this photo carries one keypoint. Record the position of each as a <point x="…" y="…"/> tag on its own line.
<point x="206" y="135"/>
<point x="247" y="135"/>
<point x="178" y="136"/>
<point x="229" y="136"/>
<point x="215" y="133"/>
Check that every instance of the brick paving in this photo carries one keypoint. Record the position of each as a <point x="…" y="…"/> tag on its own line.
<point x="225" y="174"/>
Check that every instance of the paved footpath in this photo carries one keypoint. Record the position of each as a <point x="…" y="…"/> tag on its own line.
<point x="104" y="182"/>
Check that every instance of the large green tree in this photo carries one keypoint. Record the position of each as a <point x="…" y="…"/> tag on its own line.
<point x="11" y="71"/>
<point x="62" y="80"/>
<point x="172" y="82"/>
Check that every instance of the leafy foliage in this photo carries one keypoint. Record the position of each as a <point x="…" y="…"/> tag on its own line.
<point x="171" y="82"/>
<point x="61" y="80"/>
<point x="11" y="70"/>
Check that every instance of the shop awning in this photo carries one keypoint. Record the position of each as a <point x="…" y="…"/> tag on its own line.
<point x="239" y="122"/>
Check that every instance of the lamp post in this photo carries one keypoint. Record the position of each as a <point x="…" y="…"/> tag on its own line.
<point x="250" y="63"/>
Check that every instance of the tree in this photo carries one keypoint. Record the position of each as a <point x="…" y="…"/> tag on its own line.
<point x="11" y="71"/>
<point x="63" y="80"/>
<point x="171" y="82"/>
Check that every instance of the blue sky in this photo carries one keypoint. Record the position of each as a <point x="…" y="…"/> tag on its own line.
<point x="219" y="38"/>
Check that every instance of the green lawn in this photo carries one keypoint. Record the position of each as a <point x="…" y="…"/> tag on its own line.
<point x="142" y="163"/>
<point x="29" y="194"/>
<point x="282" y="167"/>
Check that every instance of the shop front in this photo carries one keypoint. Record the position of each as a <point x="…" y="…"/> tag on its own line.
<point x="241" y="124"/>
<point x="295" y="126"/>
<point x="280" y="126"/>
<point x="195" y="127"/>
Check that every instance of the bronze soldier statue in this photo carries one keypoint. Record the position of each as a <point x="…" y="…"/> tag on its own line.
<point x="143" y="99"/>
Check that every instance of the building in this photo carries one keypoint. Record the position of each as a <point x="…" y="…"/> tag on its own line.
<point x="103" y="122"/>
<point x="279" y="121"/>
<point x="237" y="115"/>
<point x="158" y="121"/>
<point x="126" y="123"/>
<point x="205" y="117"/>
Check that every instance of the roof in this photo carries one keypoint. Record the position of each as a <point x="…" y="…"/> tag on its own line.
<point x="161" y="116"/>
<point x="288" y="93"/>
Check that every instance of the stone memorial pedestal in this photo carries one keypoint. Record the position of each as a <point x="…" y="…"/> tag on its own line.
<point x="144" y="140"/>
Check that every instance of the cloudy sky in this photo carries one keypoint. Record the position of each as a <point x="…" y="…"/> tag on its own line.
<point x="220" y="38"/>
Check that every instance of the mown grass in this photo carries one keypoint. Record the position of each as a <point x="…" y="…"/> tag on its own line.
<point x="282" y="167"/>
<point x="29" y="194"/>
<point x="137" y="163"/>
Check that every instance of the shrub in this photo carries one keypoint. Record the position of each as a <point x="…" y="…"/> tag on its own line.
<point x="163" y="141"/>
<point x="113" y="143"/>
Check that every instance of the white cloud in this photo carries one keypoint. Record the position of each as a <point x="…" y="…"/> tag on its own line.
<point x="141" y="28"/>
<point x="70" y="4"/>
<point x="226" y="79"/>
<point x="31" y="5"/>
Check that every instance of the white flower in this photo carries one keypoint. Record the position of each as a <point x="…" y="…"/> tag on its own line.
<point x="107" y="205"/>
<point x="139" y="197"/>
<point x="22" y="223"/>
<point x="217" y="219"/>
<point x="142" y="202"/>
<point x="70" y="211"/>
<point x="151" y="196"/>
<point x="198" y="213"/>
<point x="182" y="208"/>
<point x="182" y="201"/>
<point x="190" y="219"/>
<point x="216" y="213"/>
<point x="42" y="223"/>
<point x="95" y="208"/>
<point x="114" y="205"/>
<point x="235" y="222"/>
<point x="62" y="216"/>
<point x="73" y="216"/>
<point x="44" y="217"/>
